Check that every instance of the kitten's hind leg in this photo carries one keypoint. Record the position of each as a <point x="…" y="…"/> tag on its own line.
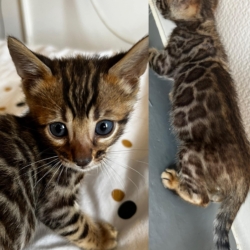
<point x="159" y="61"/>
<point x="186" y="188"/>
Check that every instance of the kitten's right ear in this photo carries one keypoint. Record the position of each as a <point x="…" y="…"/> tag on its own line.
<point x="134" y="63"/>
<point x="28" y="65"/>
<point x="214" y="4"/>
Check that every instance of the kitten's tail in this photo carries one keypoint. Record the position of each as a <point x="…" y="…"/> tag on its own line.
<point x="224" y="220"/>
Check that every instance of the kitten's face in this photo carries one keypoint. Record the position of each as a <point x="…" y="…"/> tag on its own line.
<point x="187" y="9"/>
<point x="81" y="123"/>
<point x="81" y="105"/>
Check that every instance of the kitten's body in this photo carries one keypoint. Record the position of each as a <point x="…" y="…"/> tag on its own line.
<point x="31" y="187"/>
<point x="41" y="169"/>
<point x="213" y="157"/>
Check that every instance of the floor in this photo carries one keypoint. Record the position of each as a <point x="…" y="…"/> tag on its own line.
<point x="174" y="224"/>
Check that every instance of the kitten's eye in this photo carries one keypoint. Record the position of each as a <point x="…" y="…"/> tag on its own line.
<point x="104" y="127"/>
<point x="58" y="129"/>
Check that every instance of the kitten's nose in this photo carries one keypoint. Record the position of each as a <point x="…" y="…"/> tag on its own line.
<point x="82" y="162"/>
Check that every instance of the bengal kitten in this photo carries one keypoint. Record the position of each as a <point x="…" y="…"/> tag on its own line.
<point x="78" y="108"/>
<point x="213" y="157"/>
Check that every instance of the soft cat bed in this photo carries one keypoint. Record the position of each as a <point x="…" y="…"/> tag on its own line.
<point x="126" y="171"/>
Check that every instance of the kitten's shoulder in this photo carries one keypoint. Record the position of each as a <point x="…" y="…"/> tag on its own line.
<point x="7" y="120"/>
<point x="10" y="124"/>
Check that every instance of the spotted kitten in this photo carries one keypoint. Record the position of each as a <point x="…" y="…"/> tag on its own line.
<point x="213" y="158"/>
<point x="78" y="108"/>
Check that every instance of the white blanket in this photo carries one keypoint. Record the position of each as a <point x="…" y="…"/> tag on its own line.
<point x="127" y="169"/>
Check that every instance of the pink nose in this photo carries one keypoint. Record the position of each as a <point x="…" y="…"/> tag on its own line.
<point x="82" y="162"/>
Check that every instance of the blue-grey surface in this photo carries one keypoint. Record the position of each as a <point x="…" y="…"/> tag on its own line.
<point x="174" y="224"/>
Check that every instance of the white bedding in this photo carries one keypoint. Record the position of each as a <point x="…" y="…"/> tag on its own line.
<point x="95" y="198"/>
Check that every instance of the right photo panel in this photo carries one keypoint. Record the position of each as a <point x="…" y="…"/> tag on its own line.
<point x="199" y="125"/>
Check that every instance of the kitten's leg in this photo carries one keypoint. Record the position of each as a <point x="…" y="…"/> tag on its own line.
<point x="159" y="61"/>
<point x="71" y="223"/>
<point x="185" y="187"/>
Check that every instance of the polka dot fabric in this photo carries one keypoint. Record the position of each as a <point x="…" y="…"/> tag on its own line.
<point x="118" y="195"/>
<point x="10" y="89"/>
<point x="127" y="143"/>
<point x="128" y="208"/>
<point x="117" y="192"/>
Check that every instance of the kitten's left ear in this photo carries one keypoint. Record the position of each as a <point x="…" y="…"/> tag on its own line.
<point x="134" y="63"/>
<point x="28" y="65"/>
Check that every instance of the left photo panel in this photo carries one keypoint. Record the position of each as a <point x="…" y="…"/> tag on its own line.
<point x="73" y="125"/>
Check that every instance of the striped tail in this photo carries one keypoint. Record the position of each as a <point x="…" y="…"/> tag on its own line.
<point x="224" y="220"/>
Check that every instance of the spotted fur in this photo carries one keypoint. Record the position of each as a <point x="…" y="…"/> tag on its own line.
<point x="40" y="175"/>
<point x="213" y="158"/>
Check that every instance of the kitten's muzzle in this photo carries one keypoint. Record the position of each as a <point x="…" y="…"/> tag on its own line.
<point x="82" y="162"/>
<point x="81" y="153"/>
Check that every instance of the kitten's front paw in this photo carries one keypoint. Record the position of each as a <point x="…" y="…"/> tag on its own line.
<point x="158" y="61"/>
<point x="109" y="236"/>
<point x="152" y="54"/>
<point x="169" y="179"/>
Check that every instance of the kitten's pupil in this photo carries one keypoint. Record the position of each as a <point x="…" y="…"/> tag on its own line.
<point x="104" y="127"/>
<point x="58" y="129"/>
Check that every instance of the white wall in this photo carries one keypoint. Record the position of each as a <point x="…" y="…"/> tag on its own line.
<point x="12" y="18"/>
<point x="93" y="25"/>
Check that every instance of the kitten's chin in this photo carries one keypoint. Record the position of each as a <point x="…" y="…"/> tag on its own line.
<point x="86" y="168"/>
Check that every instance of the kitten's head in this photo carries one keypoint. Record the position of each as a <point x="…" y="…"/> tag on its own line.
<point x="187" y="10"/>
<point x="80" y="104"/>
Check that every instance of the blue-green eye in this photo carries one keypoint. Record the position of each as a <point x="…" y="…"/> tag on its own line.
<point x="58" y="129"/>
<point x="104" y="127"/>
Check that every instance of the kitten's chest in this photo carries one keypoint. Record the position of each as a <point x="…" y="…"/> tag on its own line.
<point x="58" y="180"/>
<point x="188" y="47"/>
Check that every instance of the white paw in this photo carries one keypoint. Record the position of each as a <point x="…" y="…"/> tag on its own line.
<point x="169" y="179"/>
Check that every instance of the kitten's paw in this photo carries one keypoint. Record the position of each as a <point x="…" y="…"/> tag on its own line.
<point x="158" y="61"/>
<point x="109" y="236"/>
<point x="152" y="54"/>
<point x="169" y="179"/>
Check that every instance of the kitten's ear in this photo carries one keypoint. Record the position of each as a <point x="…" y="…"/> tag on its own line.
<point x="214" y="5"/>
<point x="28" y="65"/>
<point x="134" y="62"/>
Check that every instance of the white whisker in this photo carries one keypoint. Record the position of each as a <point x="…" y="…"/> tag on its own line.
<point x="37" y="162"/>
<point x="45" y="175"/>
<point x="127" y="167"/>
<point x="36" y="169"/>
<point x="51" y="177"/>
<point x="116" y="175"/>
<point x="58" y="178"/>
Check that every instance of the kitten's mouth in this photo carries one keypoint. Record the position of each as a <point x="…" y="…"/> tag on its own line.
<point x="92" y="164"/>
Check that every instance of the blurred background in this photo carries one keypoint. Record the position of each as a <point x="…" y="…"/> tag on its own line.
<point x="90" y="25"/>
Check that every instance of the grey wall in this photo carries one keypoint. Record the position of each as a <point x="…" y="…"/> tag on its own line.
<point x="174" y="224"/>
